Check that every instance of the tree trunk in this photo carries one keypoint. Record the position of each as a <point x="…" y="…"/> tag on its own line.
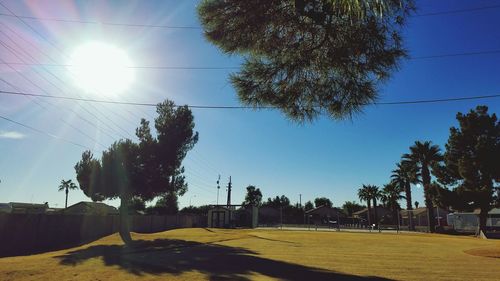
<point x="369" y="213"/>
<point x="66" y="204"/>
<point x="426" y="180"/>
<point x="395" y="216"/>
<point x="411" y="225"/>
<point x="483" y="218"/>
<point x="124" y="221"/>
<point x="375" y="212"/>
<point x="430" y="214"/>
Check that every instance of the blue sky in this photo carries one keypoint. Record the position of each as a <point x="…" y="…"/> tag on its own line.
<point x="324" y="158"/>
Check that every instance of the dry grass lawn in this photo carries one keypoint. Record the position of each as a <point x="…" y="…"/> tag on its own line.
<point x="217" y="254"/>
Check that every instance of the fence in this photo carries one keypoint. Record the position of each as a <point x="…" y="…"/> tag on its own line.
<point x="22" y="234"/>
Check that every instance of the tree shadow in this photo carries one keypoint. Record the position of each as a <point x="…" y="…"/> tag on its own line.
<point x="217" y="262"/>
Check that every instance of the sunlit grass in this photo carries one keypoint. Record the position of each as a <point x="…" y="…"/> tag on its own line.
<point x="199" y="254"/>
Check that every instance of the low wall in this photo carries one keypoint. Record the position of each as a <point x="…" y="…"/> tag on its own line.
<point x="22" y="234"/>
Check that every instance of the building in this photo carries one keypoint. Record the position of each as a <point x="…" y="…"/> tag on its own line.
<point x="362" y="215"/>
<point x="469" y="221"/>
<point x="90" y="208"/>
<point x="24" y="208"/>
<point x="419" y="216"/>
<point x="324" y="215"/>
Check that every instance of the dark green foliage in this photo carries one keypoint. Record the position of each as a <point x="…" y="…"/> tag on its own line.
<point x="351" y="207"/>
<point x="390" y="196"/>
<point x="308" y="206"/>
<point x="147" y="169"/>
<point x="403" y="177"/>
<point x="65" y="186"/>
<point x="471" y="163"/>
<point x="364" y="194"/>
<point x="277" y="202"/>
<point x="320" y="201"/>
<point x="253" y="197"/>
<point x="370" y="193"/>
<point x="136" y="204"/>
<point x="308" y="57"/>
<point x="423" y="157"/>
<point x="200" y="210"/>
<point x="167" y="204"/>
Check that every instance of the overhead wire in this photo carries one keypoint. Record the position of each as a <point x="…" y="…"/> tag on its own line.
<point x="50" y="58"/>
<point x="245" y="107"/>
<point x="43" y="132"/>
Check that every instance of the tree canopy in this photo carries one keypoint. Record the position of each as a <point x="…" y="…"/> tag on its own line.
<point x="424" y="157"/>
<point x="308" y="57"/>
<point x="308" y="206"/>
<point x="351" y="207"/>
<point x="320" y="201"/>
<point x="471" y="163"/>
<point x="277" y="202"/>
<point x="253" y="196"/>
<point x="147" y="169"/>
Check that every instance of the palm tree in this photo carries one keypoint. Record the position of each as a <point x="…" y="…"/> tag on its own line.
<point x="422" y="157"/>
<point x="364" y="195"/>
<point x="66" y="186"/>
<point x="403" y="176"/>
<point x="391" y="194"/>
<point x="375" y="194"/>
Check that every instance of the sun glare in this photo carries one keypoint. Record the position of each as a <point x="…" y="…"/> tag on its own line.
<point x="101" y="68"/>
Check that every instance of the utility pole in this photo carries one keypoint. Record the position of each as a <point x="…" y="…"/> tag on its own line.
<point x="218" y="187"/>
<point x="300" y="200"/>
<point x="229" y="185"/>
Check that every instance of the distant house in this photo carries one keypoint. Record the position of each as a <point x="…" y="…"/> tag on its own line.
<point x="469" y="221"/>
<point x="362" y="215"/>
<point x="420" y="216"/>
<point x="5" y="208"/>
<point x="90" y="208"/>
<point x="324" y="214"/>
<point x="26" y="208"/>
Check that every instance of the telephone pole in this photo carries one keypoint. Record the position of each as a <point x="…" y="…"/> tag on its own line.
<point x="300" y="200"/>
<point x="218" y="187"/>
<point x="229" y="192"/>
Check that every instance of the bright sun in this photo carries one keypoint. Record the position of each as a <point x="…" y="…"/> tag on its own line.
<point x="101" y="68"/>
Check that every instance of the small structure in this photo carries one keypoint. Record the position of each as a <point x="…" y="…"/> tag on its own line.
<point x="219" y="216"/>
<point x="324" y="215"/>
<point x="232" y="216"/>
<point x="90" y="208"/>
<point x="26" y="208"/>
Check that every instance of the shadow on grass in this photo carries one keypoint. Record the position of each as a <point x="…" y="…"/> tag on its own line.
<point x="217" y="262"/>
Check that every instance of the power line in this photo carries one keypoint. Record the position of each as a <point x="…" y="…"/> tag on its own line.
<point x="457" y="11"/>
<point x="491" y="52"/>
<point x="166" y="67"/>
<point x="43" y="132"/>
<point x="243" y="107"/>
<point x="105" y="22"/>
<point x="55" y="76"/>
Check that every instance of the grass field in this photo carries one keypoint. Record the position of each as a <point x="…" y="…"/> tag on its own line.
<point x="218" y="254"/>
